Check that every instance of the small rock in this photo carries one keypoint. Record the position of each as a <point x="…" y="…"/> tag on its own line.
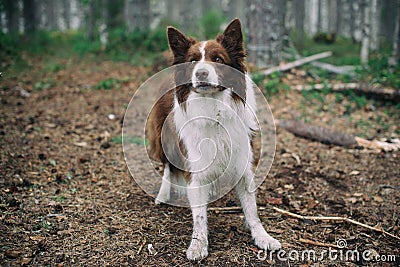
<point x="105" y="145"/>
<point x="42" y="156"/>
<point x="13" y="253"/>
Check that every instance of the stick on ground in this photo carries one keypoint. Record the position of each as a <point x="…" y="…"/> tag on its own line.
<point x="296" y="63"/>
<point x="311" y="218"/>
<point x="337" y="219"/>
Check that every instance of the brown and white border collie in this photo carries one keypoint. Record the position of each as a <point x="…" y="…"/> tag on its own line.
<point x="229" y="125"/>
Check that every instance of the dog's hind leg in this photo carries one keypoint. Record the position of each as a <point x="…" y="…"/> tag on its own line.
<point x="165" y="190"/>
<point x="248" y="201"/>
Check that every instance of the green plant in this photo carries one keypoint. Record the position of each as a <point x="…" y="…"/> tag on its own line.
<point x="130" y="139"/>
<point x="108" y="84"/>
<point x="54" y="67"/>
<point x="59" y="199"/>
<point x="273" y="84"/>
<point x="210" y="23"/>
<point x="44" y="85"/>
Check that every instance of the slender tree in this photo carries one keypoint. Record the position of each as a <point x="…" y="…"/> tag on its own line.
<point x="365" y="39"/>
<point x="137" y="14"/>
<point x="395" y="58"/>
<point x="332" y="16"/>
<point x="66" y="14"/>
<point x="91" y="19"/>
<point x="12" y="15"/>
<point x="28" y="9"/>
<point x="264" y="32"/>
<point x="299" y="12"/>
<point x="375" y="23"/>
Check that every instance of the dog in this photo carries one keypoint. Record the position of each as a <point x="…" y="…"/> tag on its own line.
<point x="213" y="127"/>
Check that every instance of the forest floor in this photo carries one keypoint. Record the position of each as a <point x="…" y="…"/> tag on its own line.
<point x="68" y="199"/>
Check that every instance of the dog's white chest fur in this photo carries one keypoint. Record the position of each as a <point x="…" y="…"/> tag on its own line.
<point x="216" y="132"/>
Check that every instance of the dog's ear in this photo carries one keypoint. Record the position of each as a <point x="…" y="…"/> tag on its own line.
<point x="232" y="38"/>
<point x="179" y="44"/>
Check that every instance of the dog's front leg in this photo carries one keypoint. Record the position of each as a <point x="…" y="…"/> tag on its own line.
<point x="248" y="201"/>
<point x="198" y="197"/>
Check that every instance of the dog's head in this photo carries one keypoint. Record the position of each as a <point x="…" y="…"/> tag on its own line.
<point x="204" y="75"/>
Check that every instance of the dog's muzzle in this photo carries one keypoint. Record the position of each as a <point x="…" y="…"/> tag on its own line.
<point x="205" y="79"/>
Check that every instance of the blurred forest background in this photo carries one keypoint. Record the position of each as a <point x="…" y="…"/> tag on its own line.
<point x="68" y="69"/>
<point x="357" y="30"/>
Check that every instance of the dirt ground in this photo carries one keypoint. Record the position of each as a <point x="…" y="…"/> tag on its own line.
<point x="67" y="198"/>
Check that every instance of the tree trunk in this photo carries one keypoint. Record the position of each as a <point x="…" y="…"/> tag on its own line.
<point x="332" y="16"/>
<point x="50" y="13"/>
<point x="66" y="14"/>
<point x="12" y="15"/>
<point x="356" y="13"/>
<point x="365" y="41"/>
<point x="344" y="18"/>
<point x="29" y="16"/>
<point x="388" y="23"/>
<point x="395" y="58"/>
<point x="264" y="32"/>
<point x="319" y="20"/>
<point x="339" y="17"/>
<point x="137" y="15"/>
<point x="376" y="9"/>
<point x="299" y="11"/>
<point x="311" y="16"/>
<point x="91" y="23"/>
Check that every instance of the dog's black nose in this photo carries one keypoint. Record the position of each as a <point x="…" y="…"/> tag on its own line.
<point x="202" y="74"/>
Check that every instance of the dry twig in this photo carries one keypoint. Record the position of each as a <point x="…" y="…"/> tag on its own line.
<point x="334" y="218"/>
<point x="311" y="218"/>
<point x="384" y="92"/>
<point x="296" y="63"/>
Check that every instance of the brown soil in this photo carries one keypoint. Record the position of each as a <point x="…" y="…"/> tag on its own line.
<point x="67" y="197"/>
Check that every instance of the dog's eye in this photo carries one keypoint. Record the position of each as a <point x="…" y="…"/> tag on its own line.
<point x="218" y="60"/>
<point x="193" y="61"/>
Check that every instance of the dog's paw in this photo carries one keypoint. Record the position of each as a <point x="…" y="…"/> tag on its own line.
<point x="267" y="242"/>
<point x="162" y="197"/>
<point x="197" y="250"/>
<point x="158" y="201"/>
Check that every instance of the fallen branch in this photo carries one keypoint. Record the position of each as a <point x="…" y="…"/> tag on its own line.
<point x="329" y="136"/>
<point x="228" y="209"/>
<point x="348" y="70"/>
<point x="385" y="92"/>
<point x="310" y="218"/>
<point x="296" y="63"/>
<point x="340" y="219"/>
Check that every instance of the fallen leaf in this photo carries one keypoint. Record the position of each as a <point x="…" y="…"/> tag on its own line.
<point x="354" y="173"/>
<point x="37" y="238"/>
<point x="26" y="261"/>
<point x="81" y="144"/>
<point x="289" y="186"/>
<point x="351" y="200"/>
<point x="274" y="200"/>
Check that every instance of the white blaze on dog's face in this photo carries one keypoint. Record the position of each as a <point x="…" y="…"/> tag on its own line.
<point x="204" y="76"/>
